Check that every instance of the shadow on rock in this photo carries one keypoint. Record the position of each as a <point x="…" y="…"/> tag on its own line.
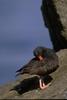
<point x="30" y="84"/>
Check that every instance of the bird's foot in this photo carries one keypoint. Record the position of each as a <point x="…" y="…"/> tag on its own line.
<point x="43" y="85"/>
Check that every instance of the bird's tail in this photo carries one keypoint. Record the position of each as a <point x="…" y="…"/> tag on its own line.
<point x="19" y="70"/>
<point x="18" y="74"/>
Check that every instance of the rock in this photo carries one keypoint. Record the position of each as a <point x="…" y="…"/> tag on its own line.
<point x="26" y="86"/>
<point x="54" y="13"/>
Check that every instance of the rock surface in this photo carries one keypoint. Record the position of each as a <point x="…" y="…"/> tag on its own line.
<point x="54" y="13"/>
<point x="26" y="86"/>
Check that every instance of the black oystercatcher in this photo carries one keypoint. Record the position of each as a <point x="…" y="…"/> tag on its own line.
<point x="44" y="63"/>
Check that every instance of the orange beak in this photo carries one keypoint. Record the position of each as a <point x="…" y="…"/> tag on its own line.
<point x="40" y="57"/>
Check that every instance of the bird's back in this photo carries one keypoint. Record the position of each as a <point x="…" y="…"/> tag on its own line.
<point x="37" y="67"/>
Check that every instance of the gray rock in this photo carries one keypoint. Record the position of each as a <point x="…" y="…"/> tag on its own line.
<point x="54" y="13"/>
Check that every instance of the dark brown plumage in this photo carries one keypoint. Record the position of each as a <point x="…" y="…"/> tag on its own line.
<point x="44" y="63"/>
<point x="48" y="65"/>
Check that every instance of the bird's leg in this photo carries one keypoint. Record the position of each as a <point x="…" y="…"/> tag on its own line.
<point x="42" y="84"/>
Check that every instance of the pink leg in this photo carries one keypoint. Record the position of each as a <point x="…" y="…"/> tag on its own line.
<point x="42" y="84"/>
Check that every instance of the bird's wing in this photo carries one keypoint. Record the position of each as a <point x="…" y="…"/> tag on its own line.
<point x="26" y="68"/>
<point x="40" y="67"/>
<point x="50" y="65"/>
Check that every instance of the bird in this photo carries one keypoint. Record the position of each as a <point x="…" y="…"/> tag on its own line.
<point x="44" y="62"/>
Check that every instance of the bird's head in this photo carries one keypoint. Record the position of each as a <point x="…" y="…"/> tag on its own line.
<point x="39" y="52"/>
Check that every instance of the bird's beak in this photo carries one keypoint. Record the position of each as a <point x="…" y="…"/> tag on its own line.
<point x="40" y="57"/>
